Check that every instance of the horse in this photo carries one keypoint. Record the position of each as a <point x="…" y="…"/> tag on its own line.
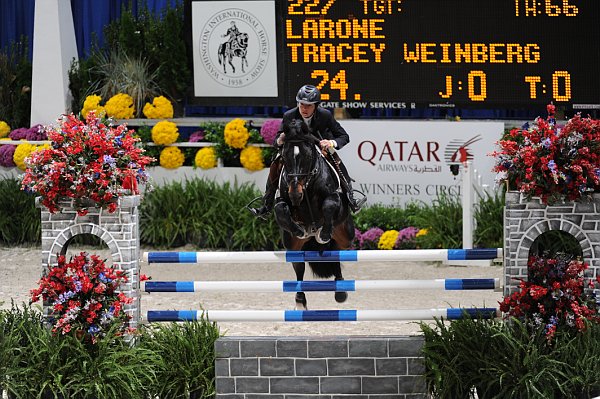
<point x="236" y="47"/>
<point x="311" y="211"/>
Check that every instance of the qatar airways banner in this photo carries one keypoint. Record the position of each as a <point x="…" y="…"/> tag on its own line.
<point x="395" y="162"/>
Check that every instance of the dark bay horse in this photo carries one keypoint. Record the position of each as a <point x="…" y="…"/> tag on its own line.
<point x="311" y="211"/>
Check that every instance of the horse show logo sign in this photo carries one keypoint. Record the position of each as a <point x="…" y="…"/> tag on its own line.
<point x="234" y="49"/>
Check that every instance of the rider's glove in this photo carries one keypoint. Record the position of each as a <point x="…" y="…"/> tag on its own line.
<point x="280" y="139"/>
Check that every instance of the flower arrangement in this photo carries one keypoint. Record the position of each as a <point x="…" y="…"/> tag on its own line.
<point x="388" y="239"/>
<point x="92" y="103"/>
<point x="206" y="158"/>
<point x="377" y="238"/>
<point x="83" y="297"/>
<point x="269" y="130"/>
<point x="161" y="108"/>
<point x="7" y="153"/>
<point x="165" y="133"/>
<point x="88" y="161"/>
<point x="4" y="129"/>
<point x="549" y="162"/>
<point x="555" y="295"/>
<point x="171" y="158"/>
<point x="120" y="106"/>
<point x="251" y="158"/>
<point x="236" y="134"/>
<point x="21" y="152"/>
<point x="18" y="134"/>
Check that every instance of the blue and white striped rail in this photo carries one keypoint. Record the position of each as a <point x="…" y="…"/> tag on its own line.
<point x="321" y="315"/>
<point x="407" y="255"/>
<point x="325" y="285"/>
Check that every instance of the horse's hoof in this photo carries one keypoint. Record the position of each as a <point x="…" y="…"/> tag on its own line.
<point x="300" y="305"/>
<point x="321" y="238"/>
<point x="341" y="296"/>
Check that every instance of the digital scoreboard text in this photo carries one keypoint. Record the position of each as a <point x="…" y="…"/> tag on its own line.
<point x="443" y="53"/>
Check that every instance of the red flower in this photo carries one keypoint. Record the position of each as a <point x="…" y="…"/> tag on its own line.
<point x="87" y="160"/>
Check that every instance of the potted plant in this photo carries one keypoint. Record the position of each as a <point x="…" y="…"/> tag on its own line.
<point x="90" y="161"/>
<point x="554" y="163"/>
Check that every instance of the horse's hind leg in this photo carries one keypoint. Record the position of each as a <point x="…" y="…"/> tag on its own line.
<point x="340" y="296"/>
<point x="300" y="297"/>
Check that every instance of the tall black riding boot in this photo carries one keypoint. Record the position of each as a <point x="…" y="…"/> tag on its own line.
<point x="346" y="182"/>
<point x="268" y="198"/>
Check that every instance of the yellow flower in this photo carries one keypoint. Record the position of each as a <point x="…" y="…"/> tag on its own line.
<point x="206" y="158"/>
<point x="236" y="133"/>
<point x="388" y="239"/>
<point x="161" y="108"/>
<point x="422" y="232"/>
<point x="120" y="106"/>
<point x="21" y="152"/>
<point x="92" y="103"/>
<point x="171" y="158"/>
<point x="165" y="133"/>
<point x="251" y="158"/>
<point x="4" y="129"/>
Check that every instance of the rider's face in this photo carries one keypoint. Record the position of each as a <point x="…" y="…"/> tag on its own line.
<point x="306" y="110"/>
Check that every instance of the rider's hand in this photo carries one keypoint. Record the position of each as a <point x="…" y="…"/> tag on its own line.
<point x="325" y="144"/>
<point x="280" y="139"/>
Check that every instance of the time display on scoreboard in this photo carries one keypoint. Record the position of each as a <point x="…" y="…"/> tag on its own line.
<point x="444" y="53"/>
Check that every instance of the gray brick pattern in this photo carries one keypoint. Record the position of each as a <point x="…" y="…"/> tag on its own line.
<point x="525" y="220"/>
<point x="374" y="367"/>
<point x="119" y="230"/>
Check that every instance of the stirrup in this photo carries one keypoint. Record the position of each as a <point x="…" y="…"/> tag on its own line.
<point x="261" y="212"/>
<point x="356" y="204"/>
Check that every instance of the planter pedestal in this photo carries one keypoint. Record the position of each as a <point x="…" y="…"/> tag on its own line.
<point x="525" y="220"/>
<point x="119" y="230"/>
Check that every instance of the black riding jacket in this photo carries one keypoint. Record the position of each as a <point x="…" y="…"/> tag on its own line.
<point x="322" y="123"/>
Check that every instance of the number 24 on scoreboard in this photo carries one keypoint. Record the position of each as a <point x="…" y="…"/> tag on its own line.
<point x="338" y="82"/>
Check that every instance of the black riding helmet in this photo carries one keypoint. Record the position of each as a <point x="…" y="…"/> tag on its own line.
<point x="308" y="94"/>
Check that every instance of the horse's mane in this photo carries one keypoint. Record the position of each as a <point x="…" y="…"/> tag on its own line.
<point x="297" y="131"/>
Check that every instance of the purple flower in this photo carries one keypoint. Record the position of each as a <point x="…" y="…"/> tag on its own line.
<point x="371" y="237"/>
<point x="18" y="134"/>
<point x="36" y="133"/>
<point x="197" y="136"/>
<point x="269" y="130"/>
<point x="357" y="243"/>
<point x="6" y="155"/>
<point x="406" y="238"/>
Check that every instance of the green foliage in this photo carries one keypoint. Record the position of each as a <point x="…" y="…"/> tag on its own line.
<point x="82" y="73"/>
<point x="508" y="360"/>
<point x="186" y="358"/>
<point x="489" y="217"/>
<point x="385" y="217"/>
<point x="20" y="221"/>
<point x="167" y="361"/>
<point x="206" y="215"/>
<point x="15" y="85"/>
<point x="443" y="221"/>
<point x="154" y="42"/>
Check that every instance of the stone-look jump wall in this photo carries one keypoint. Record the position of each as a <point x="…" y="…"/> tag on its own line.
<point x="374" y="367"/>
<point x="525" y="220"/>
<point x="119" y="230"/>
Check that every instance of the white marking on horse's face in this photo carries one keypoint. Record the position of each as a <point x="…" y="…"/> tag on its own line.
<point x="296" y="151"/>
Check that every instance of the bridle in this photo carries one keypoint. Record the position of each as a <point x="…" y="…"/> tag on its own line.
<point x="297" y="175"/>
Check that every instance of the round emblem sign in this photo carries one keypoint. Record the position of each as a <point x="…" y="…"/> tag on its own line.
<point x="234" y="47"/>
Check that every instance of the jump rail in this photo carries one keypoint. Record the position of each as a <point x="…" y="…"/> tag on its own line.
<point x="407" y="255"/>
<point x="340" y="285"/>
<point x="321" y="315"/>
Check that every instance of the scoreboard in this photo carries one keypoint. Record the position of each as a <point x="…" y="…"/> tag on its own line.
<point x="445" y="53"/>
<point x="405" y="54"/>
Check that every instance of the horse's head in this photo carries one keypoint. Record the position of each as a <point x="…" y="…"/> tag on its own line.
<point x="243" y="40"/>
<point x="299" y="155"/>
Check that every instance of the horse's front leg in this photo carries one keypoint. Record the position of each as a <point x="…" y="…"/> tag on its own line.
<point x="340" y="296"/>
<point x="229" y="61"/>
<point x="330" y="207"/>
<point x="283" y="217"/>
<point x="300" y="297"/>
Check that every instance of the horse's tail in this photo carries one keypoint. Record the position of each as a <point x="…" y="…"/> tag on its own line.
<point x="322" y="269"/>
<point x="221" y="53"/>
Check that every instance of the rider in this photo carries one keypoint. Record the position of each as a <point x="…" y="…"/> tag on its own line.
<point x="232" y="32"/>
<point x="322" y="125"/>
